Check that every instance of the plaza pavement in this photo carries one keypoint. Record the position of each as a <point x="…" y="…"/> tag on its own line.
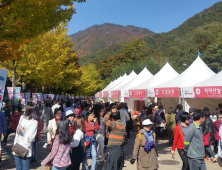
<point x="162" y="147"/>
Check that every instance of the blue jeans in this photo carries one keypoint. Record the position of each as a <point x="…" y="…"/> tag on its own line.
<point x="85" y="164"/>
<point x="57" y="168"/>
<point x="34" y="146"/>
<point x="22" y="164"/>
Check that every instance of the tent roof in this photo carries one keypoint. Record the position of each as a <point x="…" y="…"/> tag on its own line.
<point x="108" y="85"/>
<point x="212" y="81"/>
<point x="117" y="82"/>
<point x="165" y="74"/>
<point x="198" y="71"/>
<point x="130" y="77"/>
<point x="140" y="78"/>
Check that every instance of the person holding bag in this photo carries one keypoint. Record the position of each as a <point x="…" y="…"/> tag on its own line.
<point x="25" y="135"/>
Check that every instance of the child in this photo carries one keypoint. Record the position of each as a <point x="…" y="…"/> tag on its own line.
<point x="144" y="148"/>
<point x="61" y="147"/>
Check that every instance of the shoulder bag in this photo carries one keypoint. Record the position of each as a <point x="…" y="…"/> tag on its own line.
<point x="17" y="148"/>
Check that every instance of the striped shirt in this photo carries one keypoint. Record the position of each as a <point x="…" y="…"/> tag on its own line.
<point x="60" y="154"/>
<point x="117" y="134"/>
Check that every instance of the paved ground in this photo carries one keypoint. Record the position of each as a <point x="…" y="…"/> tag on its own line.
<point x="162" y="147"/>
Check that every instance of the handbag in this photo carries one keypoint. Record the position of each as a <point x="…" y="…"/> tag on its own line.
<point x="19" y="149"/>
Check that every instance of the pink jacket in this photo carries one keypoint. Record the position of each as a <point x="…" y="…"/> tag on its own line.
<point x="60" y="153"/>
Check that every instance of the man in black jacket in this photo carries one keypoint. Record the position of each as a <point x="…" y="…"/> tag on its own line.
<point x="179" y="112"/>
<point x="208" y="127"/>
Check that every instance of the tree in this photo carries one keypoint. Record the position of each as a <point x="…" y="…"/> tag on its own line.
<point x="90" y="80"/>
<point x="47" y="61"/>
<point x="22" y="19"/>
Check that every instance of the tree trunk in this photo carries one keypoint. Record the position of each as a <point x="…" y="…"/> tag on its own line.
<point x="43" y="89"/>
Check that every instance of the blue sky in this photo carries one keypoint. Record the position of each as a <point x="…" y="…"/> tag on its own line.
<point x="156" y="15"/>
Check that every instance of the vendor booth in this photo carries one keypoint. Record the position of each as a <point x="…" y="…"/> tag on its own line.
<point x="145" y="89"/>
<point x="171" y="92"/>
<point x="207" y="93"/>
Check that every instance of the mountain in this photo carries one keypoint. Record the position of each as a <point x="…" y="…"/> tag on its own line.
<point x="98" y="37"/>
<point x="202" y="32"/>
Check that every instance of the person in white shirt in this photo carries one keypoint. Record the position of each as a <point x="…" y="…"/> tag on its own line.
<point x="123" y="114"/>
<point x="25" y="134"/>
<point x="56" y="105"/>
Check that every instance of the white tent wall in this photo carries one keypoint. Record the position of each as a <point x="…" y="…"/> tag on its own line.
<point x="200" y="103"/>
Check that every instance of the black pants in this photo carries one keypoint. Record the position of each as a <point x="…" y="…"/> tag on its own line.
<point x="128" y="131"/>
<point x="9" y="131"/>
<point x="74" y="166"/>
<point x="216" y="146"/>
<point x="184" y="159"/>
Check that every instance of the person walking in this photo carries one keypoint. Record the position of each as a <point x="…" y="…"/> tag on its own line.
<point x="91" y="125"/>
<point x="179" y="111"/>
<point x="170" y="125"/>
<point x="14" y="123"/>
<point x="37" y="138"/>
<point x="114" y="151"/>
<point x="123" y="116"/>
<point x="25" y="134"/>
<point x="193" y="142"/>
<point x="77" y="145"/>
<point x="47" y="114"/>
<point x="100" y="135"/>
<point x="216" y="126"/>
<point x="180" y="132"/>
<point x="70" y="116"/>
<point x="144" y="148"/>
<point x="219" y="154"/>
<point x="160" y="121"/>
<point x="191" y="111"/>
<point x="52" y="131"/>
<point x="3" y="130"/>
<point x="208" y="130"/>
<point x="86" y="109"/>
<point x="61" y="147"/>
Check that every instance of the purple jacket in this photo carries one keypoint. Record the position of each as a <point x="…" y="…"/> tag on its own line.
<point x="191" y="120"/>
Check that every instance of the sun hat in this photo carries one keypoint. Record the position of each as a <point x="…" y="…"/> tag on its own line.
<point x="69" y="112"/>
<point x="156" y="108"/>
<point x="147" y="122"/>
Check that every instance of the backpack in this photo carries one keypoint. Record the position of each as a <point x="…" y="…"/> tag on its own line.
<point x="158" y="118"/>
<point x="140" y="137"/>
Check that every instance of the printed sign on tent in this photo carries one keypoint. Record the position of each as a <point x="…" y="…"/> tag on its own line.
<point x="3" y="77"/>
<point x="167" y="92"/>
<point x="17" y="95"/>
<point x="150" y="92"/>
<point x="188" y="92"/>
<point x="52" y="96"/>
<point x="115" y="93"/>
<point x="22" y="98"/>
<point x="45" y="96"/>
<point x="10" y="94"/>
<point x="140" y="93"/>
<point x="27" y="97"/>
<point x="105" y="94"/>
<point x="208" y="92"/>
<point x="100" y="94"/>
<point x="39" y="97"/>
<point x="34" y="97"/>
<point x="126" y="93"/>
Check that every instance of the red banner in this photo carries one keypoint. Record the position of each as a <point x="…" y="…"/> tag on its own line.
<point x="141" y="93"/>
<point x="208" y="92"/>
<point x="100" y="94"/>
<point x="115" y="93"/>
<point x="105" y="94"/>
<point x="167" y="92"/>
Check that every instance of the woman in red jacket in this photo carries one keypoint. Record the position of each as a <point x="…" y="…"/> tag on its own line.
<point x="179" y="135"/>
<point x="14" y="123"/>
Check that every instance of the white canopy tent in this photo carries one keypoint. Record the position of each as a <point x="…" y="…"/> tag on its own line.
<point x="165" y="74"/>
<point x="198" y="71"/>
<point x="140" y="78"/>
<point x="207" y="93"/>
<point x="117" y="82"/>
<point x="131" y="76"/>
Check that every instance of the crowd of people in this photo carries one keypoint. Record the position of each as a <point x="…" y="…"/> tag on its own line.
<point x="77" y="130"/>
